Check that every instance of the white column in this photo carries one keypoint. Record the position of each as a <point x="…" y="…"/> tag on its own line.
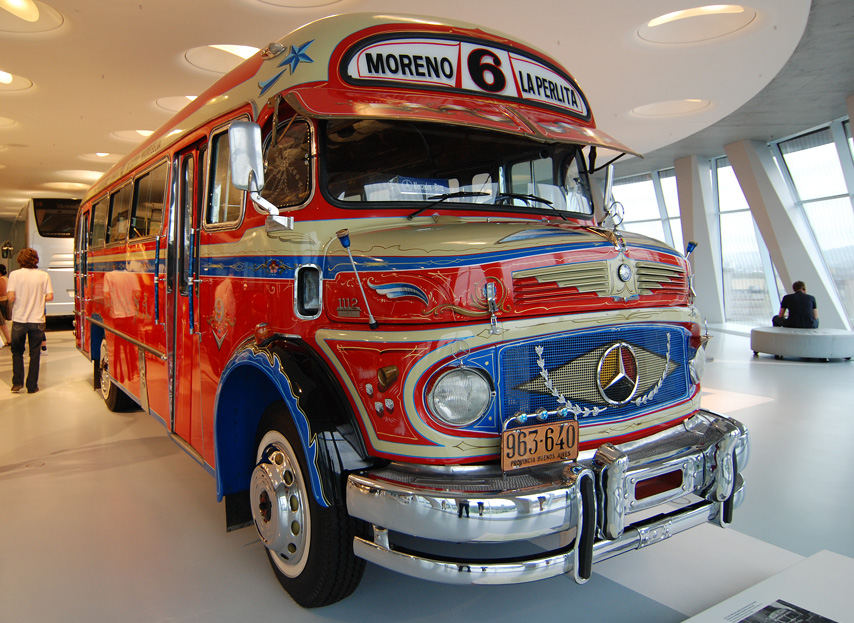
<point x="696" y="209"/>
<point x="784" y="228"/>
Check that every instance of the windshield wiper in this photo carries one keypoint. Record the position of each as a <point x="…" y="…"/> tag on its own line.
<point x="440" y="198"/>
<point x="529" y="197"/>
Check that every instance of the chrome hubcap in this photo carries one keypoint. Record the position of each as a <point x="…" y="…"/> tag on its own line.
<point x="278" y="496"/>
<point x="105" y="377"/>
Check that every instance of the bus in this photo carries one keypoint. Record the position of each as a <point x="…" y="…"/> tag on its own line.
<point x="364" y="282"/>
<point x="47" y="225"/>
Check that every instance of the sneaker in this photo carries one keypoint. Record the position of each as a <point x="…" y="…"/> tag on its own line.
<point x="17" y="388"/>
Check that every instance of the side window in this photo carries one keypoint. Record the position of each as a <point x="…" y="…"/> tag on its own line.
<point x="120" y="203"/>
<point x="98" y="233"/>
<point x="224" y="200"/>
<point x="185" y="238"/>
<point x="287" y="172"/>
<point x="576" y="186"/>
<point x="149" y="200"/>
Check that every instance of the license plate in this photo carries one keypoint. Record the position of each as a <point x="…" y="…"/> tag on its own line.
<point x="542" y="443"/>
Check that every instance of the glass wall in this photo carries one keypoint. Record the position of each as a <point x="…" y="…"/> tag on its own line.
<point x="651" y="206"/>
<point x="813" y="163"/>
<point x="745" y="276"/>
<point x="819" y="169"/>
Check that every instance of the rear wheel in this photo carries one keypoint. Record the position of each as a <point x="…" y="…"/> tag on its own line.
<point x="113" y="395"/>
<point x="310" y="546"/>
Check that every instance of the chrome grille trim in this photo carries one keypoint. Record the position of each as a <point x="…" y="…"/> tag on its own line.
<point x="598" y="278"/>
<point x="586" y="276"/>
<point x="657" y="275"/>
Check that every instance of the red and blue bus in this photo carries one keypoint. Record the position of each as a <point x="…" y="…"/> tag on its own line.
<point x="361" y="281"/>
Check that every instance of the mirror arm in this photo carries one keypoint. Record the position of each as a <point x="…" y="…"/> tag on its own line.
<point x="257" y="199"/>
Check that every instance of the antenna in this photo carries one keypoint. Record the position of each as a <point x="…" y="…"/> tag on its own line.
<point x="344" y="239"/>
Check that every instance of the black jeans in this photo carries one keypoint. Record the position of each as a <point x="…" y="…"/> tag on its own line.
<point x="34" y="332"/>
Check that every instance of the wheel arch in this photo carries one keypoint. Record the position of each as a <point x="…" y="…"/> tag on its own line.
<point x="256" y="377"/>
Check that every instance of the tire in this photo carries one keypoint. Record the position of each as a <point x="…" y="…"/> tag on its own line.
<point x="115" y="398"/>
<point x="310" y="547"/>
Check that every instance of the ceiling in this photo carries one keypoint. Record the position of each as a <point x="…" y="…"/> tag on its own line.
<point x="100" y="67"/>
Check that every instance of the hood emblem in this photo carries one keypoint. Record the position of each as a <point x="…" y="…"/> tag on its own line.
<point x="617" y="374"/>
<point x="624" y="272"/>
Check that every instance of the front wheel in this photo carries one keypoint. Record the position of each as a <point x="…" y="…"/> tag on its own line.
<point x="310" y="546"/>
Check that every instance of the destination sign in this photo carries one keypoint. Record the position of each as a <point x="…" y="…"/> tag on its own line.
<point x="446" y="64"/>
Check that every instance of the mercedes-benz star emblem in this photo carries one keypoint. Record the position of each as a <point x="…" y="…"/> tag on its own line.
<point x="617" y="374"/>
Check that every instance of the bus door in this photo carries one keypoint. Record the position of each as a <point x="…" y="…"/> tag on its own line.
<point x="81" y="270"/>
<point x="182" y="305"/>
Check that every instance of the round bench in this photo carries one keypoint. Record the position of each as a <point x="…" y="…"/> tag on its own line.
<point x="809" y="343"/>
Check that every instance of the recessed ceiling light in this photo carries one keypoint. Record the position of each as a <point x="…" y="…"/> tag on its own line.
<point x="46" y="17"/>
<point x="711" y="9"/>
<point x="66" y="186"/>
<point x="102" y="157"/>
<point x="671" y="108"/>
<point x="22" y="9"/>
<point x="174" y="104"/>
<point x="81" y="175"/>
<point x="11" y="82"/>
<point x="299" y="4"/>
<point x="219" y="58"/>
<point x="698" y="24"/>
<point x="131" y="135"/>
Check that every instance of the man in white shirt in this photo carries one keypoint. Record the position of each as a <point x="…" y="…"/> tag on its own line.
<point x="28" y="291"/>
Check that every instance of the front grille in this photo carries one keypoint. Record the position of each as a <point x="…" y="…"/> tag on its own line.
<point x="573" y="282"/>
<point x="657" y="276"/>
<point x="533" y="373"/>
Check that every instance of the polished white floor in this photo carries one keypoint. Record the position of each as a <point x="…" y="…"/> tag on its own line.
<point x="102" y="518"/>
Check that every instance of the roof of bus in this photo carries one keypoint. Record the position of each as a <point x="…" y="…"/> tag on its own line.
<point x="314" y="67"/>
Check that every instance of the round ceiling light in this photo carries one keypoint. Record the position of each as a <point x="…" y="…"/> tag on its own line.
<point x="696" y="25"/>
<point x="11" y="82"/>
<point x="81" y="175"/>
<point x="671" y="108"/>
<point x="133" y="136"/>
<point x="173" y="104"/>
<point x="218" y="59"/>
<point x="22" y="9"/>
<point x="18" y="17"/>
<point x="72" y="186"/>
<point x="299" y="4"/>
<point x="101" y="156"/>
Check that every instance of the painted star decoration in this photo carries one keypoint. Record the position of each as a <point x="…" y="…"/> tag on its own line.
<point x="296" y="56"/>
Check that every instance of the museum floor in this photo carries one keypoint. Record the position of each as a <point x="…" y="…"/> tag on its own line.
<point x="103" y="518"/>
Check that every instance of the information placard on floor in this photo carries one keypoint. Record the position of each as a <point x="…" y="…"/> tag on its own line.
<point x="815" y="590"/>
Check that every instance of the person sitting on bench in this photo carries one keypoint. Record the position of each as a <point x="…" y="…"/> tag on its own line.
<point x="797" y="310"/>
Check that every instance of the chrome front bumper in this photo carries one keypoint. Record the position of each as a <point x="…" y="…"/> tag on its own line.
<point x="599" y="505"/>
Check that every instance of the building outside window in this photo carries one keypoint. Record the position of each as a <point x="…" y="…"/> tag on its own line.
<point x="651" y="206"/>
<point x="816" y="170"/>
<point x="745" y="260"/>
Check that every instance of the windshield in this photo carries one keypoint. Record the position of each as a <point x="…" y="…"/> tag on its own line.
<point x="387" y="163"/>
<point x="55" y="217"/>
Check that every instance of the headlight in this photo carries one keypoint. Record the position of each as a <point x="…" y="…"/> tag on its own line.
<point x="698" y="365"/>
<point x="459" y="396"/>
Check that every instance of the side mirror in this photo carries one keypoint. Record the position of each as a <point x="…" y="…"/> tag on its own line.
<point x="247" y="158"/>
<point x="609" y="187"/>
<point x="247" y="169"/>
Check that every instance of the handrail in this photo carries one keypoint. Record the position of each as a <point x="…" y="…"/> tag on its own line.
<point x="121" y="334"/>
